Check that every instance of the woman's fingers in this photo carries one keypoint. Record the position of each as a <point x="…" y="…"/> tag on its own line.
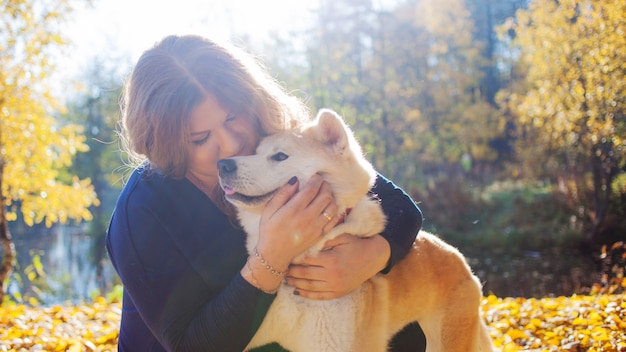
<point x="293" y="220"/>
<point x="324" y="204"/>
<point x="312" y="206"/>
<point x="282" y="196"/>
<point x="308" y="281"/>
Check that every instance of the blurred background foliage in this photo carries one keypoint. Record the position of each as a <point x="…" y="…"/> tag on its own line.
<point x="503" y="119"/>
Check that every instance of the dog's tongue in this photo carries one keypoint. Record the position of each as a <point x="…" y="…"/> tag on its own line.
<point x="228" y="190"/>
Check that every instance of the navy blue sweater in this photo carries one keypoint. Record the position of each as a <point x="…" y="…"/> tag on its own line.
<point x="179" y="258"/>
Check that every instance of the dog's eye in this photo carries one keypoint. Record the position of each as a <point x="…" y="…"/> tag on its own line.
<point x="280" y="156"/>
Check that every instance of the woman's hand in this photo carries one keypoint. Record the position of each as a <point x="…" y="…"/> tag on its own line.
<point x="293" y="220"/>
<point x="343" y="266"/>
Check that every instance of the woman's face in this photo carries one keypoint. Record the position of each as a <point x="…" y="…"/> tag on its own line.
<point x="216" y="134"/>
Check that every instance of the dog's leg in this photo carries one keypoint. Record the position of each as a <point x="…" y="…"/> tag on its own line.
<point x="461" y="325"/>
<point x="434" y="285"/>
<point x="485" y="343"/>
<point x="373" y="317"/>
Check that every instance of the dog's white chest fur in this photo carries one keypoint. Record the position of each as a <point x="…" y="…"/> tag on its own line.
<point x="305" y="325"/>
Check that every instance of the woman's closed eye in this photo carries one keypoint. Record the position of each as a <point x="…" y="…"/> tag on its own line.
<point x="203" y="139"/>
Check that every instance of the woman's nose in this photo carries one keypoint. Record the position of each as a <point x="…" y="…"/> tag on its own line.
<point x="229" y="142"/>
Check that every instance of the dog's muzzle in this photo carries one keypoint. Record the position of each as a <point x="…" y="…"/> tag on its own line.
<point x="227" y="171"/>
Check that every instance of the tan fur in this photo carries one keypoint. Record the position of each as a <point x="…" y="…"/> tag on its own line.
<point x="432" y="285"/>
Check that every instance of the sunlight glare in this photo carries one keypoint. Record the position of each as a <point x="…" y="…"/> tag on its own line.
<point x="130" y="27"/>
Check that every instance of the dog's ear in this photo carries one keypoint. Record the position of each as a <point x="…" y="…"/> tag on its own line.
<point x="331" y="131"/>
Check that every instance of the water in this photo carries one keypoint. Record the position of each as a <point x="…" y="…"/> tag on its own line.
<point x="71" y="273"/>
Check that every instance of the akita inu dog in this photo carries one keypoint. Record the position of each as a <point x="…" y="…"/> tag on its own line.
<point x="433" y="284"/>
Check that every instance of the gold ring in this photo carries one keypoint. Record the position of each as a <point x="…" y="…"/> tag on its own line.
<point x="328" y="217"/>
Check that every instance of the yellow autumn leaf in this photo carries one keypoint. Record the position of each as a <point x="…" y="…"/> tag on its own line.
<point x="516" y="334"/>
<point x="33" y="301"/>
<point x="554" y="342"/>
<point x="595" y="318"/>
<point x="600" y="334"/>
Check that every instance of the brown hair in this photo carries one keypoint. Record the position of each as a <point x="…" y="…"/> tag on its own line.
<point x="174" y="76"/>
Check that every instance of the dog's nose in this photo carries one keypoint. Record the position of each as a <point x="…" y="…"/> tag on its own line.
<point x="226" y="166"/>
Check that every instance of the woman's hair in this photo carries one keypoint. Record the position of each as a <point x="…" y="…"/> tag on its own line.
<point x="176" y="75"/>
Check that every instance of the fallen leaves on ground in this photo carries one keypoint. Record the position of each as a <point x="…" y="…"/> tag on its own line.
<point x="577" y="323"/>
<point x="89" y="327"/>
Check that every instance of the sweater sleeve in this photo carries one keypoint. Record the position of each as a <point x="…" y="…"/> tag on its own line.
<point x="181" y="274"/>
<point x="404" y="218"/>
<point x="182" y="310"/>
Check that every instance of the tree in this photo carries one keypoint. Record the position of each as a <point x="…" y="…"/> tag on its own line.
<point x="407" y="79"/>
<point x="487" y="15"/>
<point x="429" y="72"/>
<point x="571" y="100"/>
<point x="34" y="147"/>
<point x="456" y="117"/>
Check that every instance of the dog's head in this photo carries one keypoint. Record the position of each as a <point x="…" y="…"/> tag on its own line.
<point x="326" y="147"/>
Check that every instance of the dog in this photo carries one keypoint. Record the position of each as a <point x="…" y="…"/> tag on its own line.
<point x="432" y="285"/>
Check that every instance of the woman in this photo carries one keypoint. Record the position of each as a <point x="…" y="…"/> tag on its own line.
<point x="173" y="239"/>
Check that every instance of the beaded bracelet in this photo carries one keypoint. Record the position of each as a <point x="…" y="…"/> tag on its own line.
<point x="267" y="265"/>
<point x="255" y="282"/>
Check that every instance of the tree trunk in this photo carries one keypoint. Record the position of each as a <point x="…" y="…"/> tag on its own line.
<point x="8" y="248"/>
<point x="602" y="179"/>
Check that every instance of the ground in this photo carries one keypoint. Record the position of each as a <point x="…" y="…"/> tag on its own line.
<point x="576" y="323"/>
